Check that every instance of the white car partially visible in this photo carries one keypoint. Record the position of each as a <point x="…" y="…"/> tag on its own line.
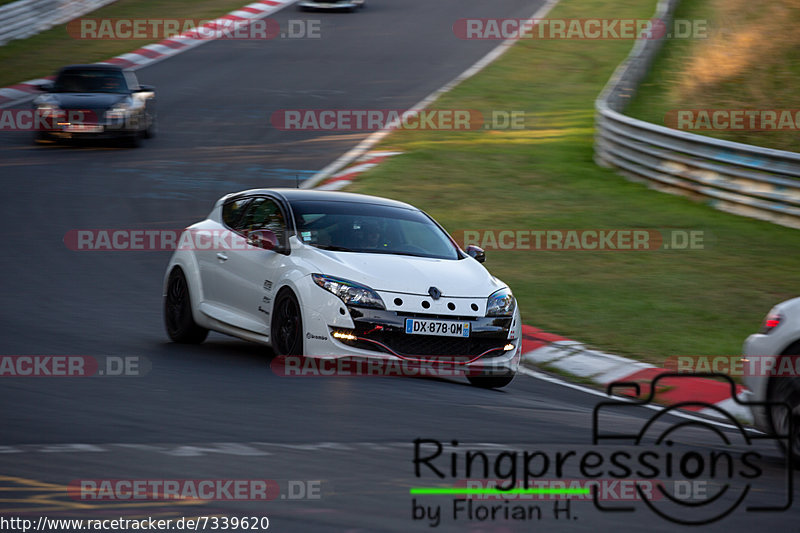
<point x="332" y="274"/>
<point x="779" y="338"/>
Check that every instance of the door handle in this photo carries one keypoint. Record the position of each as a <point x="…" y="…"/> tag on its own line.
<point x="221" y="256"/>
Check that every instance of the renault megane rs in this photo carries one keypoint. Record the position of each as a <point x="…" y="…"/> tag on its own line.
<point x="332" y="274"/>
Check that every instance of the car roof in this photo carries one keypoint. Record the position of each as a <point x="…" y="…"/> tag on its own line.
<point x="294" y="195"/>
<point x="92" y="66"/>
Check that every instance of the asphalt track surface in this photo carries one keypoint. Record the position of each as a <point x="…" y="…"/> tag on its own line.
<point x="217" y="411"/>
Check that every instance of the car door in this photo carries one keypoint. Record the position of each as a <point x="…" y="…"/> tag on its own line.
<point x="212" y="259"/>
<point x="249" y="274"/>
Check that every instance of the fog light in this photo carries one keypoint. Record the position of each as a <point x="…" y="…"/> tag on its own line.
<point x="344" y="335"/>
<point x="508" y="347"/>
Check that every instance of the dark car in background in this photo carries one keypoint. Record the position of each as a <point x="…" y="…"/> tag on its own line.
<point x="350" y="5"/>
<point x="96" y="101"/>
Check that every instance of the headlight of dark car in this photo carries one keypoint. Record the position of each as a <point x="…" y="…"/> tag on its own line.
<point x="49" y="110"/>
<point x="119" y="112"/>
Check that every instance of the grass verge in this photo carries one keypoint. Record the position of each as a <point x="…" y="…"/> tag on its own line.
<point x="647" y="305"/>
<point x="44" y="53"/>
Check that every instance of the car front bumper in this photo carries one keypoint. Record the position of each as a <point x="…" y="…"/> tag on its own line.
<point x="100" y="127"/>
<point x="759" y="345"/>
<point x="492" y="349"/>
<point x="76" y="135"/>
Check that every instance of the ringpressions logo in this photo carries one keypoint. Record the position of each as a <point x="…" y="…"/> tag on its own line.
<point x="686" y="469"/>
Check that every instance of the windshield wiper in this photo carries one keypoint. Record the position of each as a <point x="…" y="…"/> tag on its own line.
<point x="333" y="248"/>
<point x="410" y="254"/>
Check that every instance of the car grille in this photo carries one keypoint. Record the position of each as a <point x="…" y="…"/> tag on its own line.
<point x="431" y="346"/>
<point x="384" y="331"/>
<point x="90" y="116"/>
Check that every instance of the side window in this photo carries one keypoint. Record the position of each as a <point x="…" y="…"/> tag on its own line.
<point x="232" y="212"/>
<point x="263" y="213"/>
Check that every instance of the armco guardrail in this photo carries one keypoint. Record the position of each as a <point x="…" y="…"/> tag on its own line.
<point x="28" y="17"/>
<point x="740" y="178"/>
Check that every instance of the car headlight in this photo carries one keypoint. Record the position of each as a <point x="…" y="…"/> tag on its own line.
<point x="350" y="292"/>
<point x="48" y="110"/>
<point x="118" y="112"/>
<point x="501" y="303"/>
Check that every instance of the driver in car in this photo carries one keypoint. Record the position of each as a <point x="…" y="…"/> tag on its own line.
<point x="370" y="235"/>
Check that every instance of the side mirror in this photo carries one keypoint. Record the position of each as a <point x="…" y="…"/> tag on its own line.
<point x="263" y="238"/>
<point x="45" y="87"/>
<point x="476" y="253"/>
<point x="145" y="89"/>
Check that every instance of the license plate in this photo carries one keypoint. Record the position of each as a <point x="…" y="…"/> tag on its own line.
<point x="84" y="128"/>
<point x="440" y="328"/>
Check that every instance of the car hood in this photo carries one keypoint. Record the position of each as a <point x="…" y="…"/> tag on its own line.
<point x="86" y="100"/>
<point x="406" y="274"/>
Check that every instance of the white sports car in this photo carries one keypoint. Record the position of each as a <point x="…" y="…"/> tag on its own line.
<point x="332" y="274"/>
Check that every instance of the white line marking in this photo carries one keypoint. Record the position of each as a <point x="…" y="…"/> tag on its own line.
<point x="376" y="137"/>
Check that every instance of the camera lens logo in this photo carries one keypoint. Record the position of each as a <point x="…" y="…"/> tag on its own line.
<point x="722" y="458"/>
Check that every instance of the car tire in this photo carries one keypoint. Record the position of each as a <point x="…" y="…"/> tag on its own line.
<point x="787" y="390"/>
<point x="286" y="330"/>
<point x="152" y="129"/>
<point x="178" y="318"/>
<point x="134" y="140"/>
<point x="490" y="382"/>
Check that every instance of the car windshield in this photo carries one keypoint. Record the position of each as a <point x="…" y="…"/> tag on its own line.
<point x="370" y="228"/>
<point x="90" y="81"/>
